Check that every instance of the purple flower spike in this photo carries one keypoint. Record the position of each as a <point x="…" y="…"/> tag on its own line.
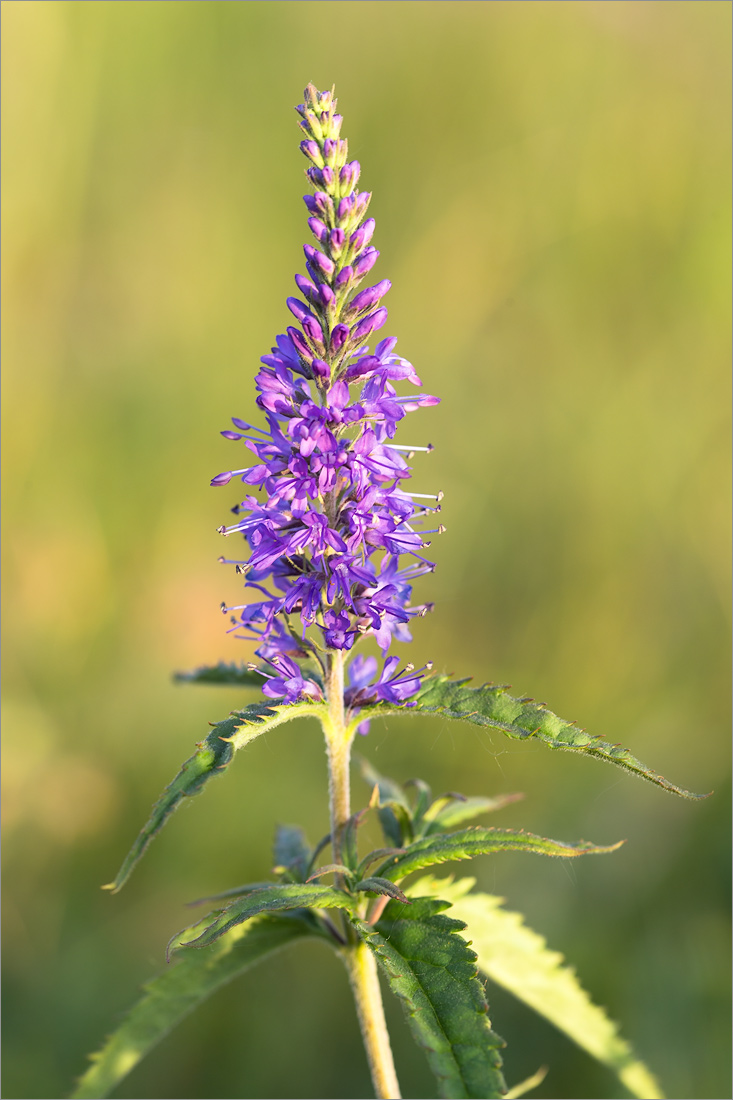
<point x="329" y="539"/>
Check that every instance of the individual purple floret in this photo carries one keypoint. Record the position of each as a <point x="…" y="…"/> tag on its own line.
<point x="332" y="536"/>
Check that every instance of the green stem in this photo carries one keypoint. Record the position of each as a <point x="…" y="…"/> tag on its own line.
<point x="358" y="959"/>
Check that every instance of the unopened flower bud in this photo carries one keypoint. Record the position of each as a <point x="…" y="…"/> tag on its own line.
<point x="362" y="236"/>
<point x="298" y="341"/>
<point x="339" y="336"/>
<point x="369" y="324"/>
<point x="365" y="299"/>
<point x="314" y="124"/>
<point x="318" y="260"/>
<point x="311" y="150"/>
<point x="361" y="202"/>
<point x="306" y="287"/>
<point x="321" y="369"/>
<point x="313" y="330"/>
<point x="344" y="276"/>
<point x="345" y="207"/>
<point x="366" y="261"/>
<point x="298" y="310"/>
<point x="336" y="242"/>
<point x="349" y="174"/>
<point x="325" y="99"/>
<point x="318" y="229"/>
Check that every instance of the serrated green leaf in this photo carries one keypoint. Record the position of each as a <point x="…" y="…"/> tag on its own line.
<point x="376" y="885"/>
<point x="455" y="812"/>
<point x="331" y="869"/>
<point x="271" y="899"/>
<point x="292" y="851"/>
<point x="373" y="856"/>
<point x="226" y="895"/>
<point x="469" y="843"/>
<point x="433" y="971"/>
<point x="214" y="754"/>
<point x="349" y="839"/>
<point x="515" y="957"/>
<point x="226" y="674"/>
<point x="171" y="996"/>
<point x="493" y="706"/>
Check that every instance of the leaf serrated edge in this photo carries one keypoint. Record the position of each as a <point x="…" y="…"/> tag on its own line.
<point x="121" y="1051"/>
<point x="612" y="1050"/>
<point x="382" y="947"/>
<point x="440" y="848"/>
<point x="591" y="744"/>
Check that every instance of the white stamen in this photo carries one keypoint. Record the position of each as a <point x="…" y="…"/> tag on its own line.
<point x="412" y="450"/>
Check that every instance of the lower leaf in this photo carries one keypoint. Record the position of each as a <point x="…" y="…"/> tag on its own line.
<point x="433" y="971"/>
<point x="269" y="899"/>
<point x="515" y="957"/>
<point x="170" y="997"/>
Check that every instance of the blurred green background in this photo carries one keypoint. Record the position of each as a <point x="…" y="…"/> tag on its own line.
<point x="551" y="186"/>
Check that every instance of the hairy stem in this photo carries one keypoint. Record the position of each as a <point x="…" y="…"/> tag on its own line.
<point x="362" y="970"/>
<point x="338" y="746"/>
<point x="360" y="964"/>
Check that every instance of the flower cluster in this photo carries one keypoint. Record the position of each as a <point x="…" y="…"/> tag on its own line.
<point x="332" y="547"/>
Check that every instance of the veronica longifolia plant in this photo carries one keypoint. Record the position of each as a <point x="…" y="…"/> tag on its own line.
<point x="329" y="539"/>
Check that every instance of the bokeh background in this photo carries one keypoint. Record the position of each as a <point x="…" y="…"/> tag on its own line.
<point x="551" y="186"/>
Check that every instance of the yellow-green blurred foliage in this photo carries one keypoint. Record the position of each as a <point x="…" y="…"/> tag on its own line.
<point x="551" y="187"/>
